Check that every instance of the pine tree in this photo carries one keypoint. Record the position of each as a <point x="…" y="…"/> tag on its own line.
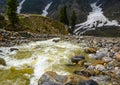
<point x="11" y="12"/>
<point x="73" y="21"/>
<point x="63" y="16"/>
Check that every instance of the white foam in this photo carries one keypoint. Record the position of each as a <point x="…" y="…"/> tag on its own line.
<point x="45" y="54"/>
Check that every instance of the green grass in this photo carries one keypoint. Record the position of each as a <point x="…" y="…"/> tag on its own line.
<point x="39" y="24"/>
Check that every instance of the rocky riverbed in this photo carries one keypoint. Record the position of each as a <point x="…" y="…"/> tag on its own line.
<point x="67" y="60"/>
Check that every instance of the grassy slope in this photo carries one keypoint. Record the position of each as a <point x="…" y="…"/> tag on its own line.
<point x="38" y="24"/>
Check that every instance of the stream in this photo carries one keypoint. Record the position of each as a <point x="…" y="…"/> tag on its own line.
<point x="27" y="64"/>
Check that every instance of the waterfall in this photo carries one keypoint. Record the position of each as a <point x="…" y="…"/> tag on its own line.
<point x="19" y="8"/>
<point x="45" y="11"/>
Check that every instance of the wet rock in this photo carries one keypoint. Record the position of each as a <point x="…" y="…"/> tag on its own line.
<point x="107" y="59"/>
<point x="117" y="56"/>
<point x="117" y="73"/>
<point x="56" y="40"/>
<point x="87" y="72"/>
<point x="51" y="78"/>
<point x="1" y="51"/>
<point x="100" y="55"/>
<point x="13" y="49"/>
<point x="92" y="56"/>
<point x="100" y="67"/>
<point x="96" y="62"/>
<point x="76" y="59"/>
<point x="89" y="82"/>
<point x="90" y="50"/>
<point x="2" y="62"/>
<point x="101" y="79"/>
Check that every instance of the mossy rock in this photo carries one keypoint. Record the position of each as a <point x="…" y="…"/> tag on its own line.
<point x="2" y="62"/>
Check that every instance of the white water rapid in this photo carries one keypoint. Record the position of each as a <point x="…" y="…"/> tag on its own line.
<point x="95" y="18"/>
<point x="41" y="56"/>
<point x="19" y="8"/>
<point x="45" y="11"/>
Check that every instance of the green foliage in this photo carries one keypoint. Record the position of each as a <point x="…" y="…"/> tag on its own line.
<point x="63" y="16"/>
<point x="38" y="24"/>
<point x="11" y="12"/>
<point x="2" y="21"/>
<point x="73" y="21"/>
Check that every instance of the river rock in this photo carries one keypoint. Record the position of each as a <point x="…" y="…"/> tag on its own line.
<point x="90" y="50"/>
<point x="89" y="82"/>
<point x="56" y="40"/>
<point x="100" y="55"/>
<point x="77" y="59"/>
<point x="2" y="62"/>
<point x="117" y="56"/>
<point x="13" y="49"/>
<point x="107" y="59"/>
<point x="100" y="67"/>
<point x="51" y="78"/>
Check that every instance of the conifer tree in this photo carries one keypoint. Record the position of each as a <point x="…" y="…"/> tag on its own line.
<point x="11" y="12"/>
<point x="63" y="16"/>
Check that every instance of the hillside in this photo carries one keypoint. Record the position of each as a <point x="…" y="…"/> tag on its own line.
<point x="111" y="8"/>
<point x="38" y="24"/>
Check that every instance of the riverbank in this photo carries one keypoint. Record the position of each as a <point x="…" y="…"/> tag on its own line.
<point x="89" y="57"/>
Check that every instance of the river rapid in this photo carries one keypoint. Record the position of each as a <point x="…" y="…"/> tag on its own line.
<point x="27" y="62"/>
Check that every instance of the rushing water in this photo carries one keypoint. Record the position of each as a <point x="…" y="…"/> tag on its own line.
<point x="19" y="8"/>
<point x="25" y="66"/>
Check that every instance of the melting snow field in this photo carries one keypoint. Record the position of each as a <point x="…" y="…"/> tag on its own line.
<point x="45" y="56"/>
<point x="19" y="8"/>
<point x="95" y="18"/>
<point x="45" y="13"/>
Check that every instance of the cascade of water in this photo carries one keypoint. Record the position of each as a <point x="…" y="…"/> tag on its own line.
<point x="19" y="8"/>
<point x="45" y="11"/>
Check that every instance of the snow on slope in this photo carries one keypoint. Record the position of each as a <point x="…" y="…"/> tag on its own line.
<point x="19" y="8"/>
<point x="45" y="13"/>
<point x="95" y="19"/>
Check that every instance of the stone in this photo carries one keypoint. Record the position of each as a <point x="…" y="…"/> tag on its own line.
<point x="90" y="50"/>
<point x="76" y="59"/>
<point x="92" y="56"/>
<point x="107" y="59"/>
<point x="100" y="67"/>
<point x="52" y="78"/>
<point x="89" y="82"/>
<point x="117" y="56"/>
<point x="100" y="55"/>
<point x="56" y="40"/>
<point x="13" y="49"/>
<point x="1" y="51"/>
<point x="2" y="62"/>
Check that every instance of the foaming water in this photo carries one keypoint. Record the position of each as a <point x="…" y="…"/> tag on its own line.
<point x="46" y="56"/>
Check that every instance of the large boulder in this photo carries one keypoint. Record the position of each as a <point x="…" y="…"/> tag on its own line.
<point x="2" y="61"/>
<point x="52" y="78"/>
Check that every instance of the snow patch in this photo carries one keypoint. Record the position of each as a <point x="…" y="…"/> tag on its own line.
<point x="45" y="11"/>
<point x="95" y="19"/>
